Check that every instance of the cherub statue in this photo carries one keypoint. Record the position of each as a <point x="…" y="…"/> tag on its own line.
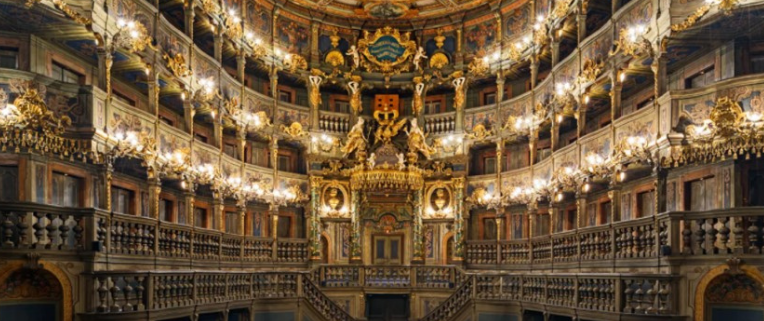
<point x="353" y="51"/>
<point x="418" y="56"/>
<point x="401" y="161"/>
<point x="372" y="160"/>
<point x="416" y="140"/>
<point x="356" y="140"/>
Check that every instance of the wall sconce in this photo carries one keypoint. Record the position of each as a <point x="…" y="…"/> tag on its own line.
<point x="131" y="144"/>
<point x="597" y="165"/>
<point x="632" y="42"/>
<point x="174" y="164"/>
<point x="232" y="25"/>
<point x="324" y="143"/>
<point x="256" y="44"/>
<point x="206" y="92"/>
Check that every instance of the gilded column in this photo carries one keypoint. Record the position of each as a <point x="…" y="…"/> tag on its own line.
<point x="218" y="215"/>
<point x="315" y="57"/>
<point x="418" y="255"/>
<point x="534" y="70"/>
<point x="188" y="116"/>
<point x="555" y="50"/>
<point x="241" y="66"/>
<point x="218" y="44"/>
<point x="273" y="211"/>
<point x="107" y="174"/>
<point x="314" y="98"/>
<point x="189" y="11"/>
<point x="241" y="211"/>
<point x="660" y="71"/>
<point x="314" y="233"/>
<point x="188" y="200"/>
<point x="155" y="188"/>
<point x="615" y="94"/>
<point x="355" y="222"/>
<point x="460" y="84"/>
<point x="458" y="219"/>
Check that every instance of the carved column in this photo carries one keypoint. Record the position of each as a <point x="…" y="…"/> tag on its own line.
<point x="217" y="130"/>
<point x="581" y="20"/>
<point x="218" y="44"/>
<point x="106" y="174"/>
<point x="499" y="88"/>
<point x="104" y="61"/>
<point x="532" y="143"/>
<point x="615" y="95"/>
<point x="581" y="120"/>
<point x="660" y="71"/>
<point x="189" y="11"/>
<point x="153" y="92"/>
<point x="241" y="66"/>
<point x="418" y="255"/>
<point x="155" y="188"/>
<point x="314" y="232"/>
<point x="458" y="184"/>
<point x="315" y="57"/>
<point x="460" y="97"/>
<point x="188" y="199"/>
<point x="218" y="214"/>
<point x="188" y="116"/>
<point x="274" y="78"/>
<point x="614" y="194"/>
<point x="355" y="222"/>
<point x="459" y="58"/>
<point x="241" y="139"/>
<point x="532" y="220"/>
<point x="555" y="137"/>
<point x="273" y="211"/>
<point x="534" y="71"/>
<point x="555" y="50"/>
<point x="581" y="210"/>
<point x="314" y="98"/>
<point x="274" y="150"/>
<point x="241" y="212"/>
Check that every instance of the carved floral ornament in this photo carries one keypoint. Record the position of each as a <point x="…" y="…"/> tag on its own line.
<point x="726" y="6"/>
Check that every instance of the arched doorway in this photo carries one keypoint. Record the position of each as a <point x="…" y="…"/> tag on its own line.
<point x="730" y="292"/>
<point x="31" y="294"/>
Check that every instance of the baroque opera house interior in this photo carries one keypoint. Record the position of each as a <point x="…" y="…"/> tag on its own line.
<point x="382" y="160"/>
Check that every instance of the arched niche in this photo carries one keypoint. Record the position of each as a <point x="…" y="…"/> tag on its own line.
<point x="41" y="288"/>
<point x="730" y="291"/>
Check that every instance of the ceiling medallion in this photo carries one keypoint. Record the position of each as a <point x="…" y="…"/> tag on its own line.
<point x="388" y="9"/>
<point x="387" y="50"/>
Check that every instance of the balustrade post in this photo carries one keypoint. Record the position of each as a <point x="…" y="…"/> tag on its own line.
<point x="618" y="291"/>
<point x="149" y="295"/>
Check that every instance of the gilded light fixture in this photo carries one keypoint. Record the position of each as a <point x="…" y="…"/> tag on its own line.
<point x="255" y="44"/>
<point x="635" y="149"/>
<point x="174" y="164"/>
<point x="233" y="28"/>
<point x="598" y="166"/>
<point x="290" y="195"/>
<point x="324" y="143"/>
<point x="206" y="92"/>
<point x="133" y="145"/>
<point x="564" y="101"/>
<point x="632" y="42"/>
<point x="526" y="125"/>
<point x="245" y="120"/>
<point x="450" y="143"/>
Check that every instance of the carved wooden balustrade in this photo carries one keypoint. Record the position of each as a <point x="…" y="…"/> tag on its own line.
<point x="413" y="277"/>
<point x="134" y="235"/>
<point x="737" y="231"/>
<point x="333" y="122"/>
<point x="27" y="226"/>
<point x="646" y="295"/>
<point x="440" y="123"/>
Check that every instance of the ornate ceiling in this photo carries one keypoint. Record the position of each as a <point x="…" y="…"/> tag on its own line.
<point x="392" y="11"/>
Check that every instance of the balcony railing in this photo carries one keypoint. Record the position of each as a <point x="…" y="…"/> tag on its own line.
<point x="635" y="295"/>
<point x="412" y="277"/>
<point x="74" y="230"/>
<point x="721" y="232"/>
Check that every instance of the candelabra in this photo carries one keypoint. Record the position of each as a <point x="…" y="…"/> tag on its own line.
<point x="632" y="42"/>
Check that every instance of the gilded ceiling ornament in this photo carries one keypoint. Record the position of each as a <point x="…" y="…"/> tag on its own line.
<point x="386" y="50"/>
<point x="335" y="58"/>
<point x="438" y="60"/>
<point x="389" y="125"/>
<point x="177" y="64"/>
